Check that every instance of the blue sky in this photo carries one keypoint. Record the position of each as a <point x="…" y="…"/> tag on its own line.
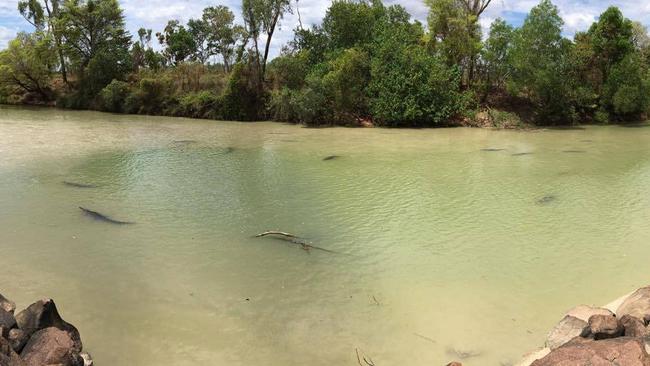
<point x="578" y="14"/>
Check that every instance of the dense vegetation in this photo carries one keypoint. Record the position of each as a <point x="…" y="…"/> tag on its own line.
<point x="365" y="63"/>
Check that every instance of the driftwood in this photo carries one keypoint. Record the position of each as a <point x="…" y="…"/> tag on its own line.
<point x="293" y="239"/>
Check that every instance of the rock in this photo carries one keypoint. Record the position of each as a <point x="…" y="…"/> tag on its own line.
<point x="88" y="360"/>
<point x="623" y="351"/>
<point x="633" y="327"/>
<point x="7" y="322"/>
<point x="455" y="364"/>
<point x="7" y="305"/>
<point x="636" y="305"/>
<point x="567" y="329"/>
<point x="51" y="346"/>
<point x="17" y="338"/>
<point x="605" y="326"/>
<point x="7" y="355"/>
<point x="43" y="314"/>
<point x="584" y="312"/>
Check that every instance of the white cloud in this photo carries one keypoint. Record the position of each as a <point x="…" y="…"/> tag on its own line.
<point x="6" y="35"/>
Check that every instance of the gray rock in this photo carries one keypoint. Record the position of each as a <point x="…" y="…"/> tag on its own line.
<point x="7" y="355"/>
<point x="623" y="351"/>
<point x="567" y="329"/>
<point x="7" y="322"/>
<point x="605" y="326"/>
<point x="43" y="314"/>
<point x="634" y="327"/>
<point x="51" y="346"/>
<point x="18" y="339"/>
<point x="636" y="305"/>
<point x="7" y="305"/>
<point x="584" y="312"/>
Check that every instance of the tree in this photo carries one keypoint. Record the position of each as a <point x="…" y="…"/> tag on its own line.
<point x="540" y="64"/>
<point x="409" y="86"/>
<point x="45" y="15"/>
<point x="496" y="53"/>
<point x="612" y="39"/>
<point x="262" y="16"/>
<point x="627" y="91"/>
<point x="456" y="32"/>
<point x="223" y="34"/>
<point x="199" y="30"/>
<point x="97" y="44"/>
<point x="26" y="65"/>
<point x="349" y="23"/>
<point x="179" y="43"/>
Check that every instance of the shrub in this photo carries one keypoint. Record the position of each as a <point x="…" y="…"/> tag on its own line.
<point x="113" y="97"/>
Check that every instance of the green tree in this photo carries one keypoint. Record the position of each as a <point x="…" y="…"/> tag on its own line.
<point x="496" y="54"/>
<point x="263" y="16"/>
<point x="456" y="32"/>
<point x="612" y="39"/>
<point x="179" y="43"/>
<point x="627" y="91"/>
<point x="349" y="23"/>
<point x="409" y="86"/>
<point x="96" y="43"/>
<point x="223" y="34"/>
<point x="540" y="64"/>
<point x="44" y="15"/>
<point x="26" y="66"/>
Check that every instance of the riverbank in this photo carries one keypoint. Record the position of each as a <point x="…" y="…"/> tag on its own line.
<point x="615" y="334"/>
<point x="38" y="336"/>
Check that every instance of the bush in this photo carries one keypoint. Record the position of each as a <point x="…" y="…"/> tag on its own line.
<point x="151" y="96"/>
<point x="203" y="104"/>
<point x="627" y="90"/>
<point x="113" y="97"/>
<point x="243" y="99"/>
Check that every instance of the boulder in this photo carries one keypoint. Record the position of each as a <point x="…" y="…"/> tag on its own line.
<point x="633" y="327"/>
<point x="51" y="346"/>
<point x="43" y="314"/>
<point x="605" y="326"/>
<point x="17" y="338"/>
<point x="584" y="312"/>
<point x="7" y="322"/>
<point x="7" y="355"/>
<point x="7" y="305"/>
<point x="567" y="329"/>
<point x="636" y="305"/>
<point x="623" y="351"/>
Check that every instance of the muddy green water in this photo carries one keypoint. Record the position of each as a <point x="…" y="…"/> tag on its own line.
<point x="443" y="251"/>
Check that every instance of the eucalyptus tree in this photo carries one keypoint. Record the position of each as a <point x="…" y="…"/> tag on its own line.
<point x="96" y="42"/>
<point x="43" y="15"/>
<point x="263" y="17"/>
<point x="456" y="32"/>
<point x="223" y="35"/>
<point x="26" y="65"/>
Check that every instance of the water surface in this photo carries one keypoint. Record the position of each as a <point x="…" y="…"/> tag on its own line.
<point x="448" y="243"/>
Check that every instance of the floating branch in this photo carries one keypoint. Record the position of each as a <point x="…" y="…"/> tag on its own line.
<point x="280" y="233"/>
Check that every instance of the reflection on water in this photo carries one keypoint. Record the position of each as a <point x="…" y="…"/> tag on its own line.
<point x="436" y="250"/>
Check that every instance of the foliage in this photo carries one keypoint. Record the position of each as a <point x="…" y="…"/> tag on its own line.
<point x="409" y="86"/>
<point x="113" y="97"/>
<point x="26" y="66"/>
<point x="540" y="65"/>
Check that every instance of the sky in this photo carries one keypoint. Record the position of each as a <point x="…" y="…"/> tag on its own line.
<point x="578" y="14"/>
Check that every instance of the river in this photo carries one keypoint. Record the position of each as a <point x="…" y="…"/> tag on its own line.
<point x="438" y="248"/>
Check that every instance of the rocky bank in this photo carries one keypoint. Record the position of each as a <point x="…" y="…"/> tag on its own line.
<point x="38" y="336"/>
<point x="617" y="334"/>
